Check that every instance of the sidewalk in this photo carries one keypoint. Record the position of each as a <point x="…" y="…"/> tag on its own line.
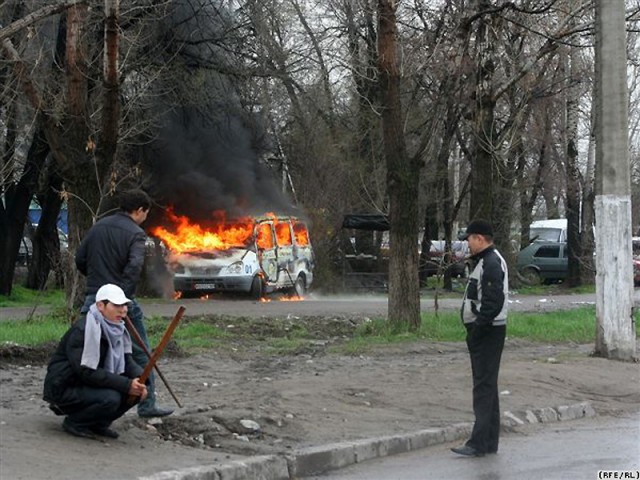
<point x="320" y="459"/>
<point x="140" y="455"/>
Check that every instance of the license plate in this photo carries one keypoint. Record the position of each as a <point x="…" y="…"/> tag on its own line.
<point x="204" y="286"/>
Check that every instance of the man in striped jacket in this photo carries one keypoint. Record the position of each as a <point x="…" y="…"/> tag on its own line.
<point x="484" y="314"/>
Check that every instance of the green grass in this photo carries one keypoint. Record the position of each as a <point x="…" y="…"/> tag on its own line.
<point x="195" y="335"/>
<point x="577" y="325"/>
<point x="37" y="331"/>
<point x="555" y="289"/>
<point x="24" y="297"/>
<point x="192" y="336"/>
<point x="436" y="283"/>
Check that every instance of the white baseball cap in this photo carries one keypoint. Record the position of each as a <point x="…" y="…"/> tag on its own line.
<point x="112" y="293"/>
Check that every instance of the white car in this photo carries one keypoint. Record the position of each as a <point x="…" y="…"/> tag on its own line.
<point x="278" y="256"/>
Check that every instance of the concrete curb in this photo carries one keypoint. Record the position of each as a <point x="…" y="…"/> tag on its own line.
<point x="315" y="460"/>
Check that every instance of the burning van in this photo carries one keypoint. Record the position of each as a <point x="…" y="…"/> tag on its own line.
<point x="254" y="255"/>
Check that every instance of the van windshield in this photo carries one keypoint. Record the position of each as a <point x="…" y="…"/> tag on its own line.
<point x="545" y="234"/>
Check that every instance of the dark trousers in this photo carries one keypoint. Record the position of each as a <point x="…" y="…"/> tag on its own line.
<point x="98" y="407"/>
<point x="136" y="316"/>
<point x="485" y="344"/>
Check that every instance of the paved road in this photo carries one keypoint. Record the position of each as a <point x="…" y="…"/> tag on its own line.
<point x="314" y="304"/>
<point x="572" y="450"/>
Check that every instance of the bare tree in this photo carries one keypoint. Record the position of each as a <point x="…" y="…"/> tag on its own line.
<point x="402" y="180"/>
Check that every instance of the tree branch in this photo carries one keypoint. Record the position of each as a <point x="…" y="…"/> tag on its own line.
<point x="33" y="17"/>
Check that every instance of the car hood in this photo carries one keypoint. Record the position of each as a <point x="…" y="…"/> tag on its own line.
<point x="214" y="258"/>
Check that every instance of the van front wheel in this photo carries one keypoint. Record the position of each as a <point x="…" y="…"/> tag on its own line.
<point x="257" y="288"/>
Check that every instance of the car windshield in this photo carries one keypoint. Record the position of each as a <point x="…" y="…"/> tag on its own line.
<point x="545" y="234"/>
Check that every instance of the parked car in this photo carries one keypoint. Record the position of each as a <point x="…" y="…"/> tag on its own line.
<point x="276" y="256"/>
<point x="459" y="265"/>
<point x="635" y="245"/>
<point x="543" y="262"/>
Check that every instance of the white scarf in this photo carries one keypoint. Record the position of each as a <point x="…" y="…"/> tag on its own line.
<point x="117" y="337"/>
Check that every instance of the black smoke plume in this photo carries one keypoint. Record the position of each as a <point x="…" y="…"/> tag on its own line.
<point x="207" y="153"/>
<point x="201" y="163"/>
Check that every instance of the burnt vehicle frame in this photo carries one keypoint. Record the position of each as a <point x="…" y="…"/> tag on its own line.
<point x="277" y="257"/>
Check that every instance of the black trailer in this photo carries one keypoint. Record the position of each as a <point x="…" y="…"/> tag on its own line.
<point x="365" y="264"/>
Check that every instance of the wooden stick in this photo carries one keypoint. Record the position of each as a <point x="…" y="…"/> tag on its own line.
<point x="144" y="348"/>
<point x="158" y="351"/>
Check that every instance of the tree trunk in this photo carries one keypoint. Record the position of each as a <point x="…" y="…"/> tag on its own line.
<point x="430" y="228"/>
<point x="107" y="146"/>
<point x="482" y="169"/>
<point x="444" y="190"/>
<point x="574" y="276"/>
<point x="402" y="181"/>
<point x="528" y="200"/>
<point x="615" y="333"/>
<point x="46" y="242"/>
<point x="17" y="200"/>
<point x="588" y="210"/>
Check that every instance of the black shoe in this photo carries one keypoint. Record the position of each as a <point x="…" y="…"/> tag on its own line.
<point x="155" y="412"/>
<point x="105" y="432"/>
<point x="467" y="451"/>
<point x="77" y="431"/>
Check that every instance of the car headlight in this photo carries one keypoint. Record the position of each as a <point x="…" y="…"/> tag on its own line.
<point x="235" y="268"/>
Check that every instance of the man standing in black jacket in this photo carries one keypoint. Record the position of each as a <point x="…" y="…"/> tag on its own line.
<point x="484" y="314"/>
<point x="113" y="252"/>
<point x="92" y="372"/>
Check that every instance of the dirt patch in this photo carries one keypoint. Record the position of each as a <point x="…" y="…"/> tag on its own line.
<point x="312" y="327"/>
<point x="26" y="355"/>
<point x="240" y="397"/>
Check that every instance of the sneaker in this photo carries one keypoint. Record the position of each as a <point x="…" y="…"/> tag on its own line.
<point x="105" y="432"/>
<point x="155" y="412"/>
<point x="77" y="431"/>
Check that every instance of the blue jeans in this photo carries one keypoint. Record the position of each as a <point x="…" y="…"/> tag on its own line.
<point x="136" y="316"/>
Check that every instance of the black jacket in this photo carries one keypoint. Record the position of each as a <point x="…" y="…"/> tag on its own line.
<point x="64" y="372"/>
<point x="112" y="252"/>
<point x="487" y="293"/>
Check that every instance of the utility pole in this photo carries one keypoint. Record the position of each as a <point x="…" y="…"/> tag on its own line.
<point x="615" y="330"/>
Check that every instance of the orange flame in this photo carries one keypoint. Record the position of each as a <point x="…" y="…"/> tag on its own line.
<point x="301" y="233"/>
<point x="219" y="234"/>
<point x="222" y="234"/>
<point x="292" y="298"/>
